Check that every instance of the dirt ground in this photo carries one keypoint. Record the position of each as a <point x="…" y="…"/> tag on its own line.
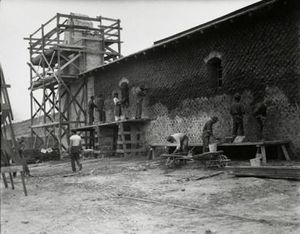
<point x="114" y="195"/>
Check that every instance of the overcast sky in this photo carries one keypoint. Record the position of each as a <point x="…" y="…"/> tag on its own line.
<point x="143" y="23"/>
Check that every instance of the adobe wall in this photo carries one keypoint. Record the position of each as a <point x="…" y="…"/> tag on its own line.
<point x="260" y="58"/>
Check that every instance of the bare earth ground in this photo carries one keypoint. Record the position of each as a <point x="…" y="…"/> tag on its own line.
<point x="96" y="200"/>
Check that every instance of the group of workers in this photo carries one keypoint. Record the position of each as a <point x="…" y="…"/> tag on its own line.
<point x="181" y="140"/>
<point x="120" y="108"/>
<point x="120" y="104"/>
<point x="97" y="104"/>
<point x="237" y="112"/>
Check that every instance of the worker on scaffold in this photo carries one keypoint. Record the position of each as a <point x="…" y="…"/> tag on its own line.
<point x="91" y="107"/>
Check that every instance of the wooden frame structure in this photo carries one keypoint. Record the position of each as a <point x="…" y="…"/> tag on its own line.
<point x="9" y="145"/>
<point x="58" y="53"/>
<point x="124" y="138"/>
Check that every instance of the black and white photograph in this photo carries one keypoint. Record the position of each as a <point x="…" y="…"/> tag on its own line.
<point x="150" y="116"/>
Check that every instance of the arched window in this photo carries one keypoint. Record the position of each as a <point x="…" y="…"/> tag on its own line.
<point x="214" y="68"/>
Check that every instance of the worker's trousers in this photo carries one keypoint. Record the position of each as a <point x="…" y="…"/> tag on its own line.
<point x="139" y="107"/>
<point x="261" y="124"/>
<point x="91" y="117"/>
<point x="75" y="158"/>
<point x="238" y="127"/>
<point x="102" y="117"/>
<point x="184" y="145"/>
<point x="205" y="141"/>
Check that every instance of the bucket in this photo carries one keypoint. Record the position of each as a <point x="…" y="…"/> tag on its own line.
<point x="213" y="147"/>
<point x="256" y="162"/>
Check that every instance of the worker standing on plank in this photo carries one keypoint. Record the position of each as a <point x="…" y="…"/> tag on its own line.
<point x="124" y="88"/>
<point x="182" y="142"/>
<point x="140" y="94"/>
<point x="260" y="113"/>
<point x="100" y="108"/>
<point x="91" y="107"/>
<point x="118" y="108"/>
<point x="207" y="133"/>
<point x="237" y="112"/>
<point x="74" y="150"/>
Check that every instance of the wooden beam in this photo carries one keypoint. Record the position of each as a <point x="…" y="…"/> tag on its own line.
<point x="276" y="172"/>
<point x="64" y="85"/>
<point x="285" y="153"/>
<point x="77" y="17"/>
<point x="45" y="125"/>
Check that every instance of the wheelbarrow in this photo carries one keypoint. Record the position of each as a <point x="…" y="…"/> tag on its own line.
<point x="176" y="159"/>
<point x="212" y="159"/>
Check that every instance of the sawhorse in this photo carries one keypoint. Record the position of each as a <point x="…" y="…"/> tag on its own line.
<point x="10" y="170"/>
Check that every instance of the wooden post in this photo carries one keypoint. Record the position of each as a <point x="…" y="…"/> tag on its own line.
<point x="23" y="182"/>
<point x="263" y="153"/>
<point x="121" y="129"/>
<point x="285" y="153"/>
<point x="4" y="180"/>
<point x="11" y="180"/>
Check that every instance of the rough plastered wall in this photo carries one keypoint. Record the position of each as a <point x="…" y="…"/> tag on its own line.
<point x="260" y="58"/>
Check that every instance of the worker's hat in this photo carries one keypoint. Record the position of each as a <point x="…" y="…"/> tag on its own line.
<point x="124" y="80"/>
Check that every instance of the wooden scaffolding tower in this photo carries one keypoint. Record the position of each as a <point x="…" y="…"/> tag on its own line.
<point x="60" y="50"/>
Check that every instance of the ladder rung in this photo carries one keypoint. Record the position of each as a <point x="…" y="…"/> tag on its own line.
<point x="130" y="150"/>
<point x="129" y="142"/>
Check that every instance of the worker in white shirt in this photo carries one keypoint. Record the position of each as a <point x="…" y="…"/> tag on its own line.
<point x="118" y="108"/>
<point x="181" y="140"/>
<point x="74" y="150"/>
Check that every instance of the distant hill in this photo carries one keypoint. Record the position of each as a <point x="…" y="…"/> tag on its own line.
<point x="22" y="128"/>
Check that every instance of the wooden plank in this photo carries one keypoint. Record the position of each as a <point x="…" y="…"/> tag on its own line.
<point x="130" y="142"/>
<point x="129" y="133"/>
<point x="45" y="125"/>
<point x="276" y="172"/>
<point x="72" y="27"/>
<point x="174" y="145"/>
<point x="3" y="86"/>
<point x="176" y="156"/>
<point x="86" y="17"/>
<point x="285" y="153"/>
<point x="130" y="150"/>
<point x="209" y="153"/>
<point x="9" y="169"/>
<point x="266" y="143"/>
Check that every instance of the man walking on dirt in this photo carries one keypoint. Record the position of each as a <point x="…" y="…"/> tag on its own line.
<point x="75" y="149"/>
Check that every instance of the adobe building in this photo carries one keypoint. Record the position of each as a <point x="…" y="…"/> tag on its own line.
<point x="193" y="75"/>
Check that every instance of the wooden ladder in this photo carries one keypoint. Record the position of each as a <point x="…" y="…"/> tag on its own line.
<point x="130" y="140"/>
